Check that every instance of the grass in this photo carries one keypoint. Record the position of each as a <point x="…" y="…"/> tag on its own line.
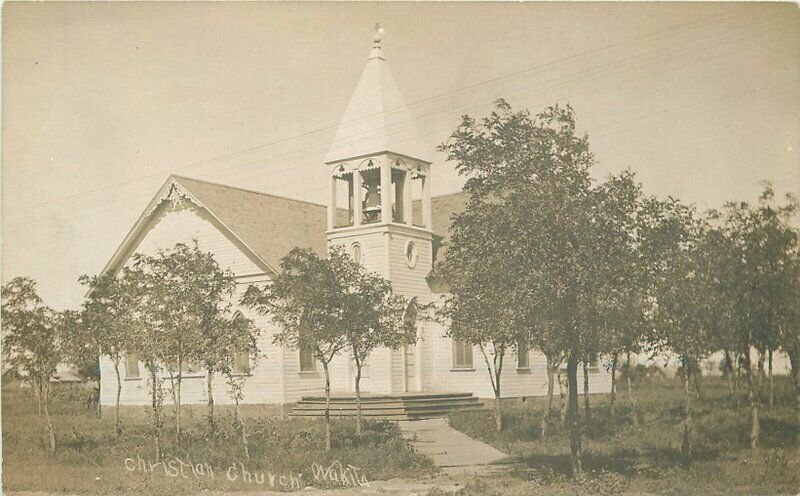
<point x="647" y="459"/>
<point x="89" y="460"/>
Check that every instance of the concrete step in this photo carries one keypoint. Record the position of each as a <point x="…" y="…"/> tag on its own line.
<point x="405" y="406"/>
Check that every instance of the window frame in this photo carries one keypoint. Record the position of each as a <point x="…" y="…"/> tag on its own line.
<point x="314" y="361"/>
<point x="126" y="363"/>
<point x="527" y="354"/>
<point x="455" y="365"/>
<point x="248" y="370"/>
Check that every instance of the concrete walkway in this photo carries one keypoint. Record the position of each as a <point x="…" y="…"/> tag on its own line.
<point x="452" y="451"/>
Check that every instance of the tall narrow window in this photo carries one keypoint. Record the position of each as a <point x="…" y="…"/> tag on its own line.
<point x="241" y="359"/>
<point x="523" y="355"/>
<point x="462" y="355"/>
<point x="308" y="362"/>
<point x="132" y="366"/>
<point x="241" y="363"/>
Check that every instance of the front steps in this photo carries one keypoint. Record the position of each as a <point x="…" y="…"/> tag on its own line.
<point x="403" y="406"/>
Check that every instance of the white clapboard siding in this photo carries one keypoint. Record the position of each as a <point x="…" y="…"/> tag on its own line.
<point x="264" y="384"/>
<point x="513" y="382"/>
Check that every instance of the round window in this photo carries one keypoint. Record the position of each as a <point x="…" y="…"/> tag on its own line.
<point x="356" y="252"/>
<point x="411" y="254"/>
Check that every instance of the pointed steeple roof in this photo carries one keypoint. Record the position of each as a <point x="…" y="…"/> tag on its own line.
<point x="377" y="118"/>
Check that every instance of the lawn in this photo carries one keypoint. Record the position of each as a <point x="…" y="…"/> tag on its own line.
<point x="624" y="459"/>
<point x="647" y="459"/>
<point x="283" y="452"/>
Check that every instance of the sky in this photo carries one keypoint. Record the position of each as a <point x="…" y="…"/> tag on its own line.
<point x="103" y="101"/>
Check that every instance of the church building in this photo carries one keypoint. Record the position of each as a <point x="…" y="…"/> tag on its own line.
<point x="380" y="208"/>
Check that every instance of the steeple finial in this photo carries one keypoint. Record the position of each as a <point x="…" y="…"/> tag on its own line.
<point x="376" y="42"/>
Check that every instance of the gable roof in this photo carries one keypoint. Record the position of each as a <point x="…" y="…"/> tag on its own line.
<point x="267" y="226"/>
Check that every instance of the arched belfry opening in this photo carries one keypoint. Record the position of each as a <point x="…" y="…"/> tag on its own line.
<point x="380" y="190"/>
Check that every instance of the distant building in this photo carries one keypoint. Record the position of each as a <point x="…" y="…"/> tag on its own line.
<point x="380" y="209"/>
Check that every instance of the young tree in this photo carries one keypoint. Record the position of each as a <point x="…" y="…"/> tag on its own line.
<point x="760" y="283"/>
<point x="684" y="311"/>
<point x="480" y="307"/>
<point x="31" y="345"/>
<point x="147" y="342"/>
<point x="189" y="294"/>
<point x="371" y="314"/>
<point x="224" y="337"/>
<point x="107" y="322"/>
<point x="306" y="301"/>
<point x="245" y="343"/>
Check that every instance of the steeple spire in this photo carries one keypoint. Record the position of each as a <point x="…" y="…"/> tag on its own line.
<point x="377" y="118"/>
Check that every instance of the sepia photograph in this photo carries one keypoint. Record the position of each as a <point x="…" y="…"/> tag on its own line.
<point x="400" y="248"/>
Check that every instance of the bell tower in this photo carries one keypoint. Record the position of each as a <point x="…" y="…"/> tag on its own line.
<point x="380" y="189"/>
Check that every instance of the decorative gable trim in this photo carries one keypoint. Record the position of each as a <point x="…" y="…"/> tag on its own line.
<point x="170" y="197"/>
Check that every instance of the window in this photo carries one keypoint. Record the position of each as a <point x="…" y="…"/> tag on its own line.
<point x="356" y="252"/>
<point x="132" y="367"/>
<point x="411" y="254"/>
<point x="462" y="355"/>
<point x="308" y="362"/>
<point x="523" y="355"/>
<point x="241" y="363"/>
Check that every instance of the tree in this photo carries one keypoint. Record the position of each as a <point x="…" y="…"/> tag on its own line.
<point x="760" y="283"/>
<point x="372" y="316"/>
<point x="224" y="337"/>
<point x="31" y="345"/>
<point x="480" y="307"/>
<point x="106" y="325"/>
<point x="685" y="311"/>
<point x="147" y="343"/>
<point x="188" y="295"/>
<point x="306" y="301"/>
<point x="532" y="205"/>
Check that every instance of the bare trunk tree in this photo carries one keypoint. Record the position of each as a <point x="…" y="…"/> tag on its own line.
<point x="178" y="403"/>
<point x="587" y="410"/>
<point x="612" y="407"/>
<point x="550" y="389"/>
<point x="45" y="400"/>
<point x="98" y="405"/>
<point x="686" y="445"/>
<point x="729" y="372"/>
<point x="495" y="368"/>
<point x="156" y="406"/>
<point x="771" y="385"/>
<point x="794" y="359"/>
<point x="762" y="374"/>
<point x="753" y="396"/>
<point x="697" y="376"/>
<point x="37" y="391"/>
<point x="631" y="398"/>
<point x="562" y="394"/>
<point x="117" y="429"/>
<point x="737" y="382"/>
<point x="240" y="426"/>
<point x="358" y="394"/>
<point x="573" y="417"/>
<point x="327" y="406"/>
<point x="212" y="426"/>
